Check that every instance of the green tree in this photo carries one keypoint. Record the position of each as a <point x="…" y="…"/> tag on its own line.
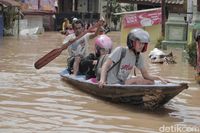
<point x="10" y="15"/>
<point x="128" y="7"/>
<point x="192" y="54"/>
<point x="112" y="7"/>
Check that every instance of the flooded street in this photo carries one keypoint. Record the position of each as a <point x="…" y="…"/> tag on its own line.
<point x="40" y="101"/>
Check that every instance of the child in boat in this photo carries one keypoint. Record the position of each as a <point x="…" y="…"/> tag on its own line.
<point x="65" y="26"/>
<point x="137" y="42"/>
<point x="91" y="65"/>
<point x="79" y="48"/>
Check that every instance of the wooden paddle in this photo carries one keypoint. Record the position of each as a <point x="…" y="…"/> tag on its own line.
<point x="56" y="52"/>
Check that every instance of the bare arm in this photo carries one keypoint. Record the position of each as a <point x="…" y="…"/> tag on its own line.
<point x="68" y="38"/>
<point x="63" y="26"/>
<point x="104" y="71"/>
<point x="99" y="24"/>
<point x="147" y="76"/>
<point x="76" y="65"/>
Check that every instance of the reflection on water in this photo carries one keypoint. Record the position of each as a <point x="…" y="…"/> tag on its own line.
<point x="38" y="100"/>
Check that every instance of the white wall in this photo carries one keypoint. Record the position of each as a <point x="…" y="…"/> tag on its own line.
<point x="93" y="6"/>
<point x="189" y="10"/>
<point x="101" y="4"/>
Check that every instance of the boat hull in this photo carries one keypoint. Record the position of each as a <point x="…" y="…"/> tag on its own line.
<point x="145" y="96"/>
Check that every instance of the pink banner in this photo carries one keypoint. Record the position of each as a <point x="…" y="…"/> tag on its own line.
<point x="30" y="5"/>
<point x="38" y="5"/>
<point x="47" y="5"/>
<point x="143" y="18"/>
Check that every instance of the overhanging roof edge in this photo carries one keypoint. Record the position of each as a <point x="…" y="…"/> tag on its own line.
<point x="138" y="11"/>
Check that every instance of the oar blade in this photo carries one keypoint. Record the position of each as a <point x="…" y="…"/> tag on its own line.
<point x="47" y="58"/>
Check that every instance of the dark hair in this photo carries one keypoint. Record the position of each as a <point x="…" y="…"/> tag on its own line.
<point x="77" y="22"/>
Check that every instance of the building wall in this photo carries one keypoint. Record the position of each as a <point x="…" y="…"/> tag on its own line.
<point x="34" y="21"/>
<point x="90" y="6"/>
<point x="67" y="6"/>
<point x="95" y="6"/>
<point x="102" y="3"/>
<point x="154" y="31"/>
<point x="82" y="6"/>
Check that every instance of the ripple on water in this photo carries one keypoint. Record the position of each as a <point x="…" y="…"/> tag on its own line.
<point x="188" y="114"/>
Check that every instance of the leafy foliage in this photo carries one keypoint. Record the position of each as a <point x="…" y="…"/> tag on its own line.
<point x="159" y="42"/>
<point x="10" y="15"/>
<point x="192" y="53"/>
<point x="128" y="7"/>
<point x="115" y="7"/>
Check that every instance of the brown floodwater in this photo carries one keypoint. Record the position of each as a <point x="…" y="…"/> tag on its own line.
<point x="39" y="101"/>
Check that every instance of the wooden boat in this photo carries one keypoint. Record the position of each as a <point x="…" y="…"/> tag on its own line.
<point x="145" y="96"/>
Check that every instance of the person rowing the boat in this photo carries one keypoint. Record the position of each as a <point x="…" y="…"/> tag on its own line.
<point x="137" y="42"/>
<point x="79" y="49"/>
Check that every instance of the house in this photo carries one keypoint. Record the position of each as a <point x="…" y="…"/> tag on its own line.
<point x="38" y="13"/>
<point x="87" y="10"/>
<point x="51" y="13"/>
<point x="173" y="23"/>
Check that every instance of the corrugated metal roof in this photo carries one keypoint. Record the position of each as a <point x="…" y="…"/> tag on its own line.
<point x="153" y="1"/>
<point x="10" y="3"/>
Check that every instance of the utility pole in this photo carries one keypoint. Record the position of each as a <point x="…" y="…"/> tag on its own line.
<point x="73" y="5"/>
<point x="108" y="12"/>
<point x="39" y="6"/>
<point x="18" y="28"/>
<point x="163" y="5"/>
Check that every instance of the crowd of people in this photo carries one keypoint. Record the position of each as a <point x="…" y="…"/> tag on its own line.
<point x="67" y="26"/>
<point x="103" y="65"/>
